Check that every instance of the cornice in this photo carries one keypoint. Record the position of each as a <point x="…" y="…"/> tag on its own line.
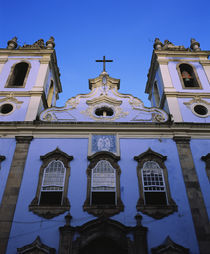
<point x="178" y="53"/>
<point x="31" y="52"/>
<point x="3" y="60"/>
<point x="37" y="92"/>
<point x="205" y="62"/>
<point x="187" y="94"/>
<point x="126" y="130"/>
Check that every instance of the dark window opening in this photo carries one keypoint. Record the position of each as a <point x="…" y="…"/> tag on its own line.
<point x="103" y="245"/>
<point x="201" y="110"/>
<point x="6" y="108"/>
<point x="104" y="111"/>
<point x="155" y="198"/>
<point x="188" y="76"/>
<point x="103" y="198"/>
<point x="51" y="198"/>
<point x="18" y="75"/>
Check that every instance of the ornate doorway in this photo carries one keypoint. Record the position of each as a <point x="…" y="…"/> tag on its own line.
<point x="103" y="245"/>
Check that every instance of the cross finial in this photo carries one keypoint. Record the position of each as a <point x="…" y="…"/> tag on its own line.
<point x="104" y="62"/>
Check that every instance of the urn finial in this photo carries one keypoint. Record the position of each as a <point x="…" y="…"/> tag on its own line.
<point x="50" y="43"/>
<point x="195" y="46"/>
<point x="12" y="44"/>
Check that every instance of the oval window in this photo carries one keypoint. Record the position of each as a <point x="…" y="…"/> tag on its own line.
<point x="201" y="110"/>
<point x="104" y="111"/>
<point x="6" y="108"/>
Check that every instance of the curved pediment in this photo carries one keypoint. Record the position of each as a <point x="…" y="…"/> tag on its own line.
<point x="104" y="104"/>
<point x="104" y="99"/>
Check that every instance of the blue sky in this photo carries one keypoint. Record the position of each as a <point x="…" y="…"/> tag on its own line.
<point x="121" y="30"/>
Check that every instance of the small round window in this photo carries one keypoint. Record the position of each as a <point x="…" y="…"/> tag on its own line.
<point x="104" y="111"/>
<point x="201" y="110"/>
<point x="6" y="108"/>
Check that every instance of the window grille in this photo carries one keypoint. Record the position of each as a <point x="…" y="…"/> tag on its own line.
<point x="53" y="177"/>
<point x="153" y="179"/>
<point x="103" y="178"/>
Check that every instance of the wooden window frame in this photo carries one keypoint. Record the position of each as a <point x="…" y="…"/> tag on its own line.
<point x="49" y="211"/>
<point x="155" y="211"/>
<point x="107" y="210"/>
<point x="206" y="159"/>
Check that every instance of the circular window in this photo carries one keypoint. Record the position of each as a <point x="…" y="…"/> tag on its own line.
<point x="200" y="110"/>
<point x="6" y="108"/>
<point x="104" y="111"/>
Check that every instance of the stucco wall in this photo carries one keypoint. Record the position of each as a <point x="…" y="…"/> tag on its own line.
<point x="27" y="226"/>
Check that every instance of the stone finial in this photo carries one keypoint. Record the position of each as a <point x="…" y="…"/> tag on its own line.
<point x="68" y="218"/>
<point x="195" y="46"/>
<point x="50" y="43"/>
<point x="138" y="218"/>
<point x="12" y="44"/>
<point x="157" y="44"/>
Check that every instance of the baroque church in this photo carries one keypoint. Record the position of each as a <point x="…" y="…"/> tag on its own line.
<point x="104" y="173"/>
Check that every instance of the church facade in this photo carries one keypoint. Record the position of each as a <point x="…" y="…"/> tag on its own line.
<point x="104" y="173"/>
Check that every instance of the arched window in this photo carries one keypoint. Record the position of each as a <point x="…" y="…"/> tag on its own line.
<point x="50" y="95"/>
<point x="18" y="75"/>
<point x="153" y="184"/>
<point x="103" y="184"/>
<point x="188" y="76"/>
<point x="156" y="95"/>
<point x="155" y="199"/>
<point x="51" y="195"/>
<point x="53" y="184"/>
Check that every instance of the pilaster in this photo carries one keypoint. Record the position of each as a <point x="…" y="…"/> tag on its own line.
<point x="11" y="192"/>
<point x="195" y="198"/>
<point x="206" y="67"/>
<point x="2" y="63"/>
<point x="38" y="88"/>
<point x="173" y="104"/>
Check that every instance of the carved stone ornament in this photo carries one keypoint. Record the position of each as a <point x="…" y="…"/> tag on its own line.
<point x="37" y="45"/>
<point x="103" y="228"/>
<point x="10" y="100"/>
<point x="195" y="46"/>
<point x="50" y="44"/>
<point x="104" y="103"/>
<point x="157" y="211"/>
<point x="157" y="44"/>
<point x="199" y="107"/>
<point x="12" y="44"/>
<point x="169" y="247"/>
<point x="207" y="161"/>
<point x="36" y="247"/>
<point x="167" y="45"/>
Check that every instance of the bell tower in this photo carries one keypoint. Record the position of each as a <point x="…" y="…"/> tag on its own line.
<point x="179" y="81"/>
<point x="29" y="79"/>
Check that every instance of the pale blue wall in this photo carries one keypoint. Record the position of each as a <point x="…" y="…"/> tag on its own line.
<point x="32" y="225"/>
<point x="31" y="80"/>
<point x="7" y="148"/>
<point x="18" y="114"/>
<point x="179" y="225"/>
<point x="187" y="114"/>
<point x="25" y="233"/>
<point x="201" y="148"/>
<point x="176" y="80"/>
